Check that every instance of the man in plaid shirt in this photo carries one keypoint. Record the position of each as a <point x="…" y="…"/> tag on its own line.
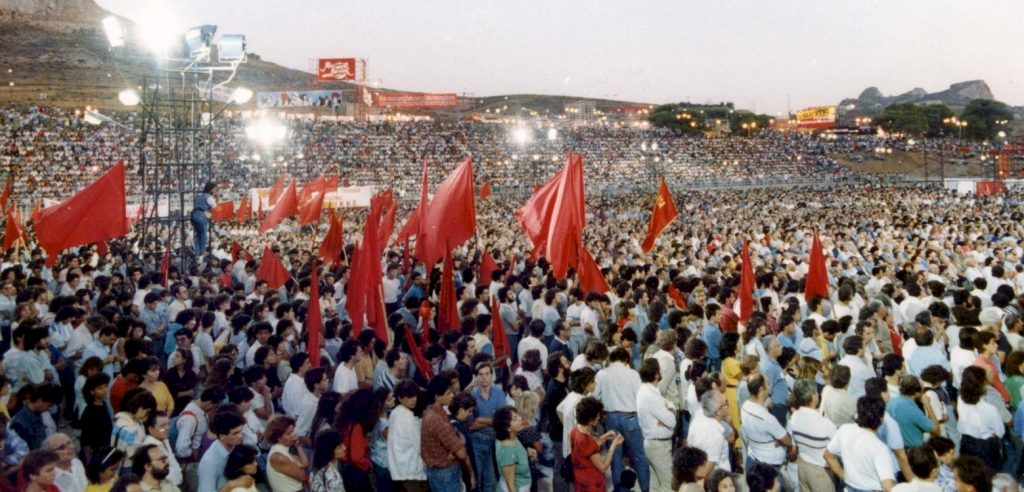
<point x="441" y="445"/>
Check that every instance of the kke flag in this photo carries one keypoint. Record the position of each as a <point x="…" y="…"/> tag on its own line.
<point x="747" y="285"/>
<point x="272" y="270"/>
<point x="487" y="268"/>
<point x="13" y="231"/>
<point x="663" y="215"/>
<point x="817" y="275"/>
<point x="311" y="201"/>
<point x="286" y="207"/>
<point x="244" y="211"/>
<point x="95" y="214"/>
<point x="223" y="211"/>
<point x="451" y="216"/>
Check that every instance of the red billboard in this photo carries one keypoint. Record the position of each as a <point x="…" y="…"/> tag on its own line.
<point x="334" y="69"/>
<point x="413" y="100"/>
<point x="820" y="117"/>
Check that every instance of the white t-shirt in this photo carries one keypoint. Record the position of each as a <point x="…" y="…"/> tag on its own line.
<point x="811" y="432"/>
<point x="865" y="457"/>
<point x="567" y="409"/>
<point x="345" y="380"/>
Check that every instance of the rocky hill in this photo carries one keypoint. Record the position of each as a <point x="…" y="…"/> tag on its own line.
<point x="872" y="101"/>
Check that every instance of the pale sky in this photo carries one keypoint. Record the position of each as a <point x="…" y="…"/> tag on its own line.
<point x="755" y="53"/>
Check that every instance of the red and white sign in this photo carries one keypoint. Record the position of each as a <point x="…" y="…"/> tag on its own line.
<point x="414" y="100"/>
<point x="334" y="69"/>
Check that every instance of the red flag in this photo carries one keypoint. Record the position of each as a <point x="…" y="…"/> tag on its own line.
<point x="275" y="191"/>
<point x="366" y="283"/>
<point x="676" y="296"/>
<point x="165" y="264"/>
<point x="94" y="214"/>
<point x="387" y="227"/>
<point x="511" y="270"/>
<point x="331" y="184"/>
<point x="502" y="347"/>
<point x="451" y="216"/>
<point x="406" y="260"/>
<point x="272" y="270"/>
<point x="38" y="210"/>
<point x="414" y="224"/>
<point x="286" y="207"/>
<point x="663" y="214"/>
<point x="487" y="268"/>
<point x="555" y="215"/>
<point x="746" y="285"/>
<point x="223" y="211"/>
<point x="314" y="321"/>
<point x="817" y="276"/>
<point x="355" y="303"/>
<point x="448" y="311"/>
<point x="259" y="213"/>
<point x="244" y="209"/>
<point x="485" y="191"/>
<point x="103" y="249"/>
<point x="422" y="365"/>
<point x="13" y="231"/>
<point x="591" y="278"/>
<point x="311" y="203"/>
<point x="330" y="248"/>
<point x="6" y="195"/>
<point x="410" y="228"/>
<point x="235" y="249"/>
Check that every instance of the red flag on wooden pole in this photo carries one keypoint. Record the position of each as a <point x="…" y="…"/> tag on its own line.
<point x="92" y="215"/>
<point x="287" y="206"/>
<point x="663" y="214"/>
<point x="272" y="270"/>
<point x="746" y="284"/>
<point x="451" y="216"/>
<point x="817" y="274"/>
<point x="502" y="346"/>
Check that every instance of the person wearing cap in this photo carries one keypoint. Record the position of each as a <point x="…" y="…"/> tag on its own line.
<point x="202" y="212"/>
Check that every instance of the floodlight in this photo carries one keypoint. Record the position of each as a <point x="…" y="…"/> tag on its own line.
<point x="231" y="48"/>
<point x="128" y="97"/>
<point x="521" y="135"/>
<point x="197" y="41"/>
<point x="266" y="131"/>
<point x="241" y="95"/>
<point x="115" y="31"/>
<point x="552" y="134"/>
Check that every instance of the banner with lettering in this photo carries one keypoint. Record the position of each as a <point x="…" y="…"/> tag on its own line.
<point x="413" y="100"/>
<point x="335" y="69"/>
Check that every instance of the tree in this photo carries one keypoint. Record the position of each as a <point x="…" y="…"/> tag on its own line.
<point x="907" y="118"/>
<point x="983" y="117"/>
<point x="935" y="114"/>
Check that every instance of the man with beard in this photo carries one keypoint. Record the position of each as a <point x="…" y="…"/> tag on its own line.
<point x="150" y="464"/>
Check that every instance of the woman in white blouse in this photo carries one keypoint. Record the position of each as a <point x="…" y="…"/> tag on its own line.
<point x="980" y="425"/>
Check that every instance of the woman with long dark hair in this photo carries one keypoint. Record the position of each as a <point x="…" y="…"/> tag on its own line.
<point x="355" y="422"/>
<point x="181" y="378"/>
<point x="328" y="452"/>
<point x="326" y="413"/>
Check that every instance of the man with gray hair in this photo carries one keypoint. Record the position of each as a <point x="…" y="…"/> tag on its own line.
<point x="772" y="372"/>
<point x="707" y="431"/>
<point x="69" y="473"/>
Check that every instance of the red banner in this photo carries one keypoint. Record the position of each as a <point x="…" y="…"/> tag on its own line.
<point x="334" y="69"/>
<point x="988" y="188"/>
<point x="415" y="100"/>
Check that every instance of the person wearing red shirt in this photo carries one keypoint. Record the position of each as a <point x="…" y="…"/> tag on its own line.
<point x="986" y="343"/>
<point x="131" y="376"/>
<point x="589" y="464"/>
<point x="358" y="416"/>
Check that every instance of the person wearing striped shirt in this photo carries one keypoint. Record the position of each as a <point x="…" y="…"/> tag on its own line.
<point x="811" y="433"/>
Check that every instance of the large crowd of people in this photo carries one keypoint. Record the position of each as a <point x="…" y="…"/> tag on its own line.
<point x="906" y="376"/>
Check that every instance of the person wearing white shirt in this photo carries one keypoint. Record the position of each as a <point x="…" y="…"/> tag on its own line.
<point x="925" y="467"/>
<point x="70" y="473"/>
<point x="657" y="418"/>
<point x="707" y="432"/>
<point x="589" y="323"/>
<point x="668" y="383"/>
<point x="766" y="440"/>
<point x="345" y="379"/>
<point x="581" y="383"/>
<point x="860" y="372"/>
<point x="866" y="464"/>
<point x="963" y="355"/>
<point x="391" y="285"/>
<point x="261" y="332"/>
<point x="533" y="342"/>
<point x="811" y="432"/>
<point x="617" y="387"/>
<point x="980" y="425"/>
<point x="295" y="387"/>
<point x="158" y="431"/>
<point x="404" y="459"/>
<point x="316" y="383"/>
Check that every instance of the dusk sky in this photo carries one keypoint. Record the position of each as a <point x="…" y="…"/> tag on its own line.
<point x="751" y="52"/>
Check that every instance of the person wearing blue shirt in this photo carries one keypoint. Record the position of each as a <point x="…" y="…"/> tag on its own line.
<point x="227" y="427"/>
<point x="912" y="421"/>
<point x="772" y="371"/>
<point x="712" y="336"/>
<point x="789" y="337"/>
<point x="489" y="398"/>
